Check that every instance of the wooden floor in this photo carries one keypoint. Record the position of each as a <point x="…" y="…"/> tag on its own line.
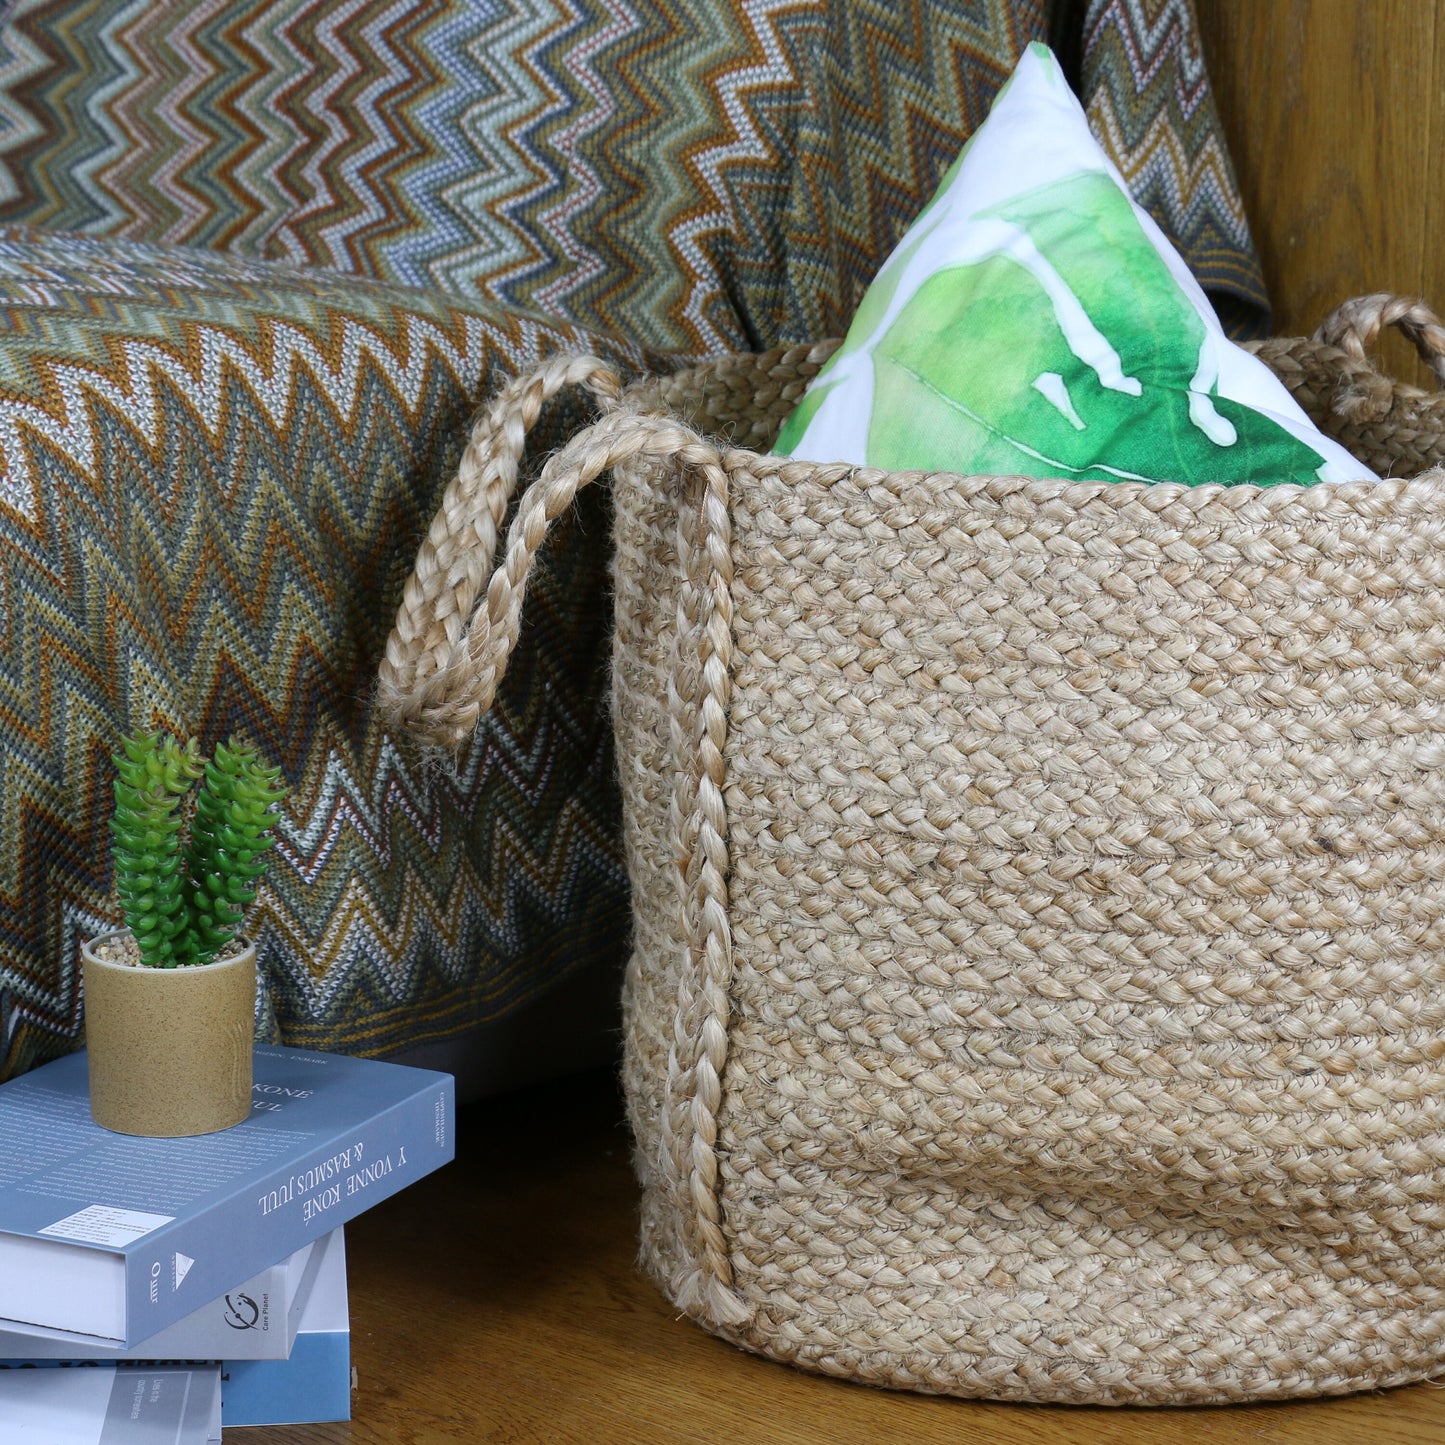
<point x="498" y="1301"/>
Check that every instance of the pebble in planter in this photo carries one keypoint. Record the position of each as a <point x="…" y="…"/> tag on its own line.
<point x="170" y="998"/>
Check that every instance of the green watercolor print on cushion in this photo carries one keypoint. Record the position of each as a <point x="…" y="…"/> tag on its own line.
<point x="802" y="414"/>
<point x="1067" y="349"/>
<point x="1033" y="321"/>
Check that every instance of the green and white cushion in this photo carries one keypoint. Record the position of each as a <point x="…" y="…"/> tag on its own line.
<point x="1034" y="321"/>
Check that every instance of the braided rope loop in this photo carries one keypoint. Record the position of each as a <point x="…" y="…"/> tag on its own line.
<point x="449" y="652"/>
<point x="429" y="682"/>
<point x="1354" y="326"/>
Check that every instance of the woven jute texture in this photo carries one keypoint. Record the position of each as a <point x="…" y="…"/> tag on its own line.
<point x="1038" y="986"/>
<point x="1398" y="430"/>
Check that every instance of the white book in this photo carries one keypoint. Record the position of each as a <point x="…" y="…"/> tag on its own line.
<point x="312" y="1384"/>
<point x="111" y="1405"/>
<point x="255" y="1321"/>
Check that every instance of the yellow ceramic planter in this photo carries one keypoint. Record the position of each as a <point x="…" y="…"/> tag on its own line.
<point x="170" y="1048"/>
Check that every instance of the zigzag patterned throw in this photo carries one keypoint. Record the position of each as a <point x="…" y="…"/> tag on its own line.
<point x="702" y="175"/>
<point x="214" y="477"/>
<point x="1150" y="106"/>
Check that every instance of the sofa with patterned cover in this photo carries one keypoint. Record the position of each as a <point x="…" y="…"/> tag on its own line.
<point x="259" y="262"/>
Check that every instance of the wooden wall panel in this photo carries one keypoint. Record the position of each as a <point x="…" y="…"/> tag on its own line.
<point x="1335" y="115"/>
<point x="1429" y="165"/>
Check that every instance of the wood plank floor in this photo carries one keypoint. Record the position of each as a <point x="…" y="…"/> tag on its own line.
<point x="498" y="1301"/>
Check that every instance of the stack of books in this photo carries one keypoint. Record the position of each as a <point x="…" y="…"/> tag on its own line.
<point x="153" y="1290"/>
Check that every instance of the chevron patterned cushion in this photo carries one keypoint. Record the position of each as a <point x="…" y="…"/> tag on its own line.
<point x="213" y="476"/>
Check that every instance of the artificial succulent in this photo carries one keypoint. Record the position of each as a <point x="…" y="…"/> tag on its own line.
<point x="188" y="858"/>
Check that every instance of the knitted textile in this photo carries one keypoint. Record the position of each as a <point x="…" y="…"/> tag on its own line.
<point x="214" y="475"/>
<point x="701" y="175"/>
<point x="1037" y="988"/>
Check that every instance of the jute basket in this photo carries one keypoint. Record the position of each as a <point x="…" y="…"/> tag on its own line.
<point x="1396" y="430"/>
<point x="1039" y="975"/>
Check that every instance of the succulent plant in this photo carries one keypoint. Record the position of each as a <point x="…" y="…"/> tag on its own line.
<point x="184" y="900"/>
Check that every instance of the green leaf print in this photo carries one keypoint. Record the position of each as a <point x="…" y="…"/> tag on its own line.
<point x="1068" y="349"/>
<point x="802" y="414"/>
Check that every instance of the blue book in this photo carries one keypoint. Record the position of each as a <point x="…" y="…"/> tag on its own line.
<point x="118" y="1237"/>
<point x="314" y="1384"/>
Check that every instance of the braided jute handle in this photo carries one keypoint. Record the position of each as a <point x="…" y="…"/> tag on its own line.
<point x="447" y="655"/>
<point x="441" y="666"/>
<point x="1355" y="326"/>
